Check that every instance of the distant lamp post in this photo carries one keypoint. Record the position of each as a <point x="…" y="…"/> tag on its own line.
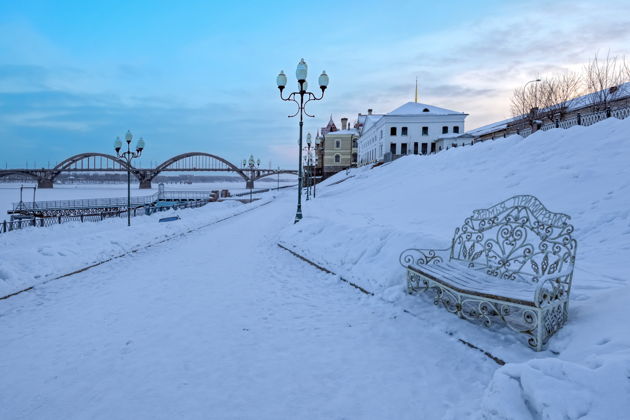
<point x="315" y="165"/>
<point x="128" y="156"/>
<point x="300" y="74"/>
<point x="532" y="115"/>
<point x="309" y="166"/>
<point x="531" y="81"/>
<point x="253" y="165"/>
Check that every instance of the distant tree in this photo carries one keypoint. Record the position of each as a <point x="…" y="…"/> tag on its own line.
<point x="602" y="78"/>
<point x="558" y="94"/>
<point x="526" y="102"/>
<point x="625" y="71"/>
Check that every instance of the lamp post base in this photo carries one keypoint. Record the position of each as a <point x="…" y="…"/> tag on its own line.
<point x="298" y="215"/>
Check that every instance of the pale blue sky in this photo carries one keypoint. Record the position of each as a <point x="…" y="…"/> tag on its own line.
<point x="200" y="75"/>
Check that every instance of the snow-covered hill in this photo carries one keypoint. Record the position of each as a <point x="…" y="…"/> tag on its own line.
<point x="362" y="220"/>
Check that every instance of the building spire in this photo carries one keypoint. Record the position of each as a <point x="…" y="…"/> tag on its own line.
<point x="416" y="89"/>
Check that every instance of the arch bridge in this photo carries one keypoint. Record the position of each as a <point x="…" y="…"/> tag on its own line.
<point x="185" y="162"/>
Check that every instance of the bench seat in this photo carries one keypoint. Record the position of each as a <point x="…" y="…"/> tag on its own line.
<point x="462" y="279"/>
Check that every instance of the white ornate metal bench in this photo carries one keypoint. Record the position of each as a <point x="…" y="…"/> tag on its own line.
<point x="510" y="264"/>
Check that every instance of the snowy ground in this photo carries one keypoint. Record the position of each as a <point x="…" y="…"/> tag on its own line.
<point x="359" y="226"/>
<point x="219" y="322"/>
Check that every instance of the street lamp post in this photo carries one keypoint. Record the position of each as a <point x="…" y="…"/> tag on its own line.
<point x="281" y="80"/>
<point x="309" y="166"/>
<point x="128" y="156"/>
<point x="535" y="90"/>
<point x="252" y="165"/>
<point x="315" y="165"/>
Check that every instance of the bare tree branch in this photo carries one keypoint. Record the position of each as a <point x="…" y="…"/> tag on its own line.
<point x="602" y="77"/>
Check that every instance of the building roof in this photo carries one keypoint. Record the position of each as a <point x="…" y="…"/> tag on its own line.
<point x="367" y="121"/>
<point x="490" y="128"/>
<point x="622" y="91"/>
<point x="330" y="127"/>
<point x="417" y="108"/>
<point x="349" y="131"/>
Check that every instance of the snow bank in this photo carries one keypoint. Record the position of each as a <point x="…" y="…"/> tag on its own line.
<point x="362" y="220"/>
<point x="33" y="255"/>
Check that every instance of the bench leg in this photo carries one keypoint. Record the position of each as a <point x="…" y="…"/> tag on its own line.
<point x="540" y="330"/>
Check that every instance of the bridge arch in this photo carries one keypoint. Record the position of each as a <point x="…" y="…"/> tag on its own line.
<point x="29" y="174"/>
<point x="72" y="160"/>
<point x="42" y="181"/>
<point x="221" y="164"/>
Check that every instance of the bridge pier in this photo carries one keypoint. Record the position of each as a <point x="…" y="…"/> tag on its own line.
<point x="249" y="184"/>
<point x="44" y="183"/>
<point x="145" y="184"/>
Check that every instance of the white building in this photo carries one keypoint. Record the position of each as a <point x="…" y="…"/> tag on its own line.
<point x="413" y="128"/>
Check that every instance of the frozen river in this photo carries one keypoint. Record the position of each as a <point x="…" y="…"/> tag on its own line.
<point x="10" y="192"/>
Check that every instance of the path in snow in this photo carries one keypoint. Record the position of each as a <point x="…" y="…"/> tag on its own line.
<point x="224" y="324"/>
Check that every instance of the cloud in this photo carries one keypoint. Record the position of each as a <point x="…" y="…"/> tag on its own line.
<point x="211" y="93"/>
<point x="474" y="65"/>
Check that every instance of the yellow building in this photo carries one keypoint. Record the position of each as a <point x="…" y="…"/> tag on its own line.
<point x="338" y="147"/>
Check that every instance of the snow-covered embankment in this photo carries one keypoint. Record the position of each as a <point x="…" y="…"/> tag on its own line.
<point x="34" y="255"/>
<point x="362" y="220"/>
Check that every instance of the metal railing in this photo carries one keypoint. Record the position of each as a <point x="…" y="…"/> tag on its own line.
<point x="110" y="202"/>
<point x="576" y="119"/>
<point x="11" y="225"/>
<point x="143" y="206"/>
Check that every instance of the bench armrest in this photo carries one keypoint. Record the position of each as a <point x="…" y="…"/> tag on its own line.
<point x="415" y="256"/>
<point x="552" y="288"/>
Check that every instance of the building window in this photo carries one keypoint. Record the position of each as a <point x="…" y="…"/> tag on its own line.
<point x="354" y="158"/>
<point x="381" y="133"/>
<point x="432" y="147"/>
<point x="424" y="148"/>
<point x="415" y="148"/>
<point x="392" y="148"/>
<point x="403" y="131"/>
<point x="392" y="131"/>
<point x="456" y="129"/>
<point x="403" y="149"/>
<point x="425" y="131"/>
<point x="354" y="143"/>
<point x="425" y="110"/>
<point x="445" y="129"/>
<point x="337" y="158"/>
<point x="337" y="144"/>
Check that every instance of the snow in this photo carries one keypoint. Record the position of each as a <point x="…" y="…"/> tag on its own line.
<point x="368" y="120"/>
<point x="358" y="227"/>
<point x="222" y="323"/>
<point x="489" y="128"/>
<point x="623" y="91"/>
<point x="417" y="108"/>
<point x="219" y="322"/>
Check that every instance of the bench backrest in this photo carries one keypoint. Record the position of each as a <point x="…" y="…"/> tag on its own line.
<point x="517" y="239"/>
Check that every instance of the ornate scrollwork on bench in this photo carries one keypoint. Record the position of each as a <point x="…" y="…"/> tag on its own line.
<point x="510" y="264"/>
